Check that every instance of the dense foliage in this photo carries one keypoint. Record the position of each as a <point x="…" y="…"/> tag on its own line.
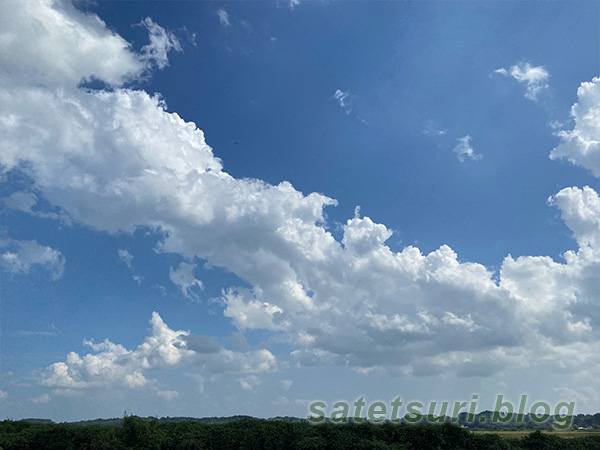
<point x="137" y="433"/>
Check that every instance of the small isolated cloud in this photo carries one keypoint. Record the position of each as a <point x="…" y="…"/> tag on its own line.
<point x="20" y="256"/>
<point x="464" y="150"/>
<point x="432" y="128"/>
<point x="223" y="17"/>
<point x="183" y="277"/>
<point x="343" y="100"/>
<point x="126" y="257"/>
<point x="250" y="382"/>
<point x="161" y="42"/>
<point x="167" y="395"/>
<point x="287" y="384"/>
<point x="294" y="3"/>
<point x="535" y="79"/>
<point x="3" y="394"/>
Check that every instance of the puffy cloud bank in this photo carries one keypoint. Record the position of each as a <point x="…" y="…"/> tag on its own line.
<point x="116" y="160"/>
<point x="581" y="145"/>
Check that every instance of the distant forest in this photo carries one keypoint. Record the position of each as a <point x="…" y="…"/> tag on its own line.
<point x="277" y="434"/>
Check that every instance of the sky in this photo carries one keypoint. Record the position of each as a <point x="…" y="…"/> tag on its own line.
<point x="219" y="208"/>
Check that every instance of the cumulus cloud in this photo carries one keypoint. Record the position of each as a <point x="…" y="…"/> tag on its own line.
<point x="581" y="145"/>
<point x="52" y="43"/>
<point x="116" y="160"/>
<point x="580" y="210"/>
<point x="112" y="365"/>
<point x="3" y="395"/>
<point x="250" y="382"/>
<point x="535" y="79"/>
<point x="19" y="257"/>
<point x="223" y="17"/>
<point x="464" y="150"/>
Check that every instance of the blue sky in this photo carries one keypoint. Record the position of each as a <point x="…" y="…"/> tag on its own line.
<point x="308" y="201"/>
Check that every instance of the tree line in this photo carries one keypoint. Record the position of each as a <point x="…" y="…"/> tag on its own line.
<point x="256" y="434"/>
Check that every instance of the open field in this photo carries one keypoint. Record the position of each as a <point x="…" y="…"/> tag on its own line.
<point x="520" y="434"/>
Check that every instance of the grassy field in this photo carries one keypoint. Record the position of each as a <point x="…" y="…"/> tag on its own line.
<point x="518" y="434"/>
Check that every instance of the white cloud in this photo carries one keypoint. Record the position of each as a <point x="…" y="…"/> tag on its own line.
<point x="183" y="277"/>
<point x="112" y="365"/>
<point x="580" y="210"/>
<point x="293" y="4"/>
<point x="250" y="382"/>
<point x="126" y="257"/>
<point x="26" y="201"/>
<point x="354" y="302"/>
<point x="52" y="43"/>
<point x="18" y="257"/>
<point x="287" y="384"/>
<point x="581" y="145"/>
<point x="223" y="17"/>
<point x="343" y="99"/>
<point x="464" y="150"/>
<point x="166" y="395"/>
<point x="432" y="128"/>
<point x="3" y="395"/>
<point x="535" y="79"/>
<point x="161" y="42"/>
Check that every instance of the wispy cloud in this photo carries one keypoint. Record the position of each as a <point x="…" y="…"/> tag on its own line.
<point x="341" y="97"/>
<point x="183" y="277"/>
<point x="535" y="79"/>
<point x="127" y="259"/>
<point x="161" y="42"/>
<point x="464" y="150"/>
<point x="223" y="17"/>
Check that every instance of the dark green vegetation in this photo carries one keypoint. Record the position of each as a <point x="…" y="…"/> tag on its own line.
<point x="150" y="434"/>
